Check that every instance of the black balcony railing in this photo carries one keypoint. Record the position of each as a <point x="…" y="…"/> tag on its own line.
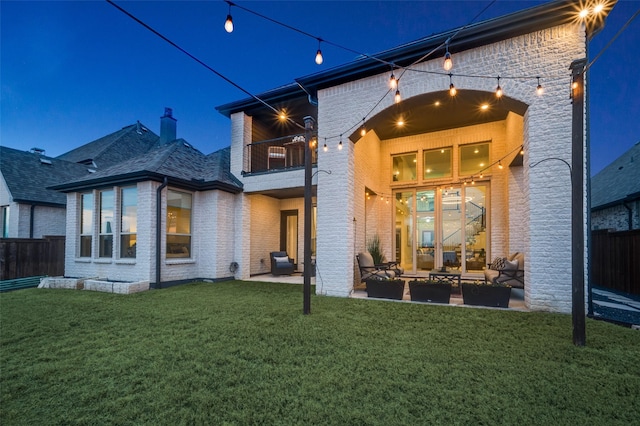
<point x="277" y="154"/>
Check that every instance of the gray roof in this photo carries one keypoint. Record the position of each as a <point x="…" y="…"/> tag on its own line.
<point x="128" y="142"/>
<point x="618" y="181"/>
<point x="182" y="164"/>
<point x="29" y="175"/>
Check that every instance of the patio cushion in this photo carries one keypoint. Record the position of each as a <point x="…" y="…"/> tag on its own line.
<point x="281" y="259"/>
<point x="510" y="265"/>
<point x="498" y="263"/>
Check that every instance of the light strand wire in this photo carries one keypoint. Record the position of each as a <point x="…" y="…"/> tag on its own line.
<point x="225" y="78"/>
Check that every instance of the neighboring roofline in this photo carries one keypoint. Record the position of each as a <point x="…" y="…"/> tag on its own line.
<point x="621" y="201"/>
<point x="129" y="178"/>
<point x="526" y="21"/>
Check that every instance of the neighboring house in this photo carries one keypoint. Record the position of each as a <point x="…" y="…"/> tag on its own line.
<point x="615" y="193"/>
<point x="29" y="208"/>
<point x="453" y="186"/>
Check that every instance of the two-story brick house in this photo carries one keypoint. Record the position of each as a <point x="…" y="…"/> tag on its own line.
<point x="443" y="178"/>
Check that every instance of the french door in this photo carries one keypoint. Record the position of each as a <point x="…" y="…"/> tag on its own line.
<point x="441" y="227"/>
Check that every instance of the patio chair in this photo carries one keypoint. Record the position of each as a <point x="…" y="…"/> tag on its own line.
<point x="281" y="263"/>
<point x="276" y="155"/>
<point x="368" y="269"/>
<point x="510" y="271"/>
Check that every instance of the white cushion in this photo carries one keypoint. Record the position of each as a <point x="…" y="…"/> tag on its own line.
<point x="281" y="259"/>
<point x="511" y="265"/>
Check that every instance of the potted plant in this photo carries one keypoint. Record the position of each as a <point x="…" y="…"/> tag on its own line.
<point x="385" y="288"/>
<point x="486" y="294"/>
<point x="375" y="249"/>
<point x="429" y="291"/>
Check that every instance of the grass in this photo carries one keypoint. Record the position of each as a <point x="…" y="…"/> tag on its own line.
<point x="243" y="353"/>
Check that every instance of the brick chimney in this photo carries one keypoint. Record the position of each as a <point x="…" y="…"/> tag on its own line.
<point x="167" y="127"/>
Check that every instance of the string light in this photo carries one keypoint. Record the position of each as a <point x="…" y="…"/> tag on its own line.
<point x="228" y="24"/>
<point x="325" y="148"/>
<point x="452" y="88"/>
<point x="498" y="89"/>
<point x="448" y="63"/>
<point x="319" y="58"/>
<point x="393" y="81"/>
<point x="363" y="131"/>
<point x="500" y="166"/>
<point x="397" y="97"/>
<point x="539" y="89"/>
<point x="340" y="144"/>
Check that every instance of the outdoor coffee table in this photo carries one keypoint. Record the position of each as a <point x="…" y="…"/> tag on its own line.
<point x="451" y="277"/>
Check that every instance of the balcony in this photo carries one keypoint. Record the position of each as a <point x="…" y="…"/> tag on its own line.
<point x="278" y="154"/>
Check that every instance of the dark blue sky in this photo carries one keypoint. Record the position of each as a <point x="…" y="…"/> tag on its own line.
<point x="72" y="71"/>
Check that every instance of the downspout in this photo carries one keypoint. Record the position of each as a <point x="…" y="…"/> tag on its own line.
<point x="33" y="209"/>
<point x="165" y="182"/>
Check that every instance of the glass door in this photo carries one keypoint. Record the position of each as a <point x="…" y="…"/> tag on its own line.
<point x="404" y="229"/>
<point x="426" y="230"/>
<point x="289" y="233"/>
<point x="451" y="222"/>
<point x="441" y="227"/>
<point x="475" y="228"/>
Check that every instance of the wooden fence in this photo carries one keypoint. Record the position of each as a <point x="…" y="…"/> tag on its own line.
<point x="22" y="257"/>
<point x="615" y="258"/>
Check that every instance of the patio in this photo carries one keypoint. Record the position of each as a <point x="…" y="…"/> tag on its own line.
<point x="516" y="302"/>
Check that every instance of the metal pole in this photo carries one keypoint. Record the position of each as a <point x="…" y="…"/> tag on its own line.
<point x="577" y="202"/>
<point x="309" y="123"/>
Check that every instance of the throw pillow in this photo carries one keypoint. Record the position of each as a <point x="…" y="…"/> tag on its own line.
<point x="511" y="265"/>
<point x="498" y="263"/>
<point x="281" y="259"/>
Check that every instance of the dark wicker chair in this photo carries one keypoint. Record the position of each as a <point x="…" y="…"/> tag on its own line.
<point x="281" y="263"/>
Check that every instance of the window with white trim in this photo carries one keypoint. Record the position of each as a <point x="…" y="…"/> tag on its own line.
<point x="128" y="222"/>
<point x="86" y="224"/>
<point x="178" y="224"/>
<point x="106" y="223"/>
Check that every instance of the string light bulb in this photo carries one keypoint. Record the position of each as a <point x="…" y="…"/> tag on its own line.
<point x="228" y="24"/>
<point x="452" y="88"/>
<point x="363" y="131"/>
<point x="340" y="144"/>
<point x="397" y="97"/>
<point x="319" y="58"/>
<point x="325" y="148"/>
<point x="393" y="81"/>
<point x="448" y="63"/>
<point x="499" y="92"/>
<point x="539" y="89"/>
<point x="500" y="166"/>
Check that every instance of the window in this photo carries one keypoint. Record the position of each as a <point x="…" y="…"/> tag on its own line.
<point x="404" y="167"/>
<point x="128" y="221"/>
<point x="106" y="224"/>
<point x="86" y="224"/>
<point x="437" y="163"/>
<point x="5" y="222"/>
<point x="473" y="158"/>
<point x="178" y="224"/>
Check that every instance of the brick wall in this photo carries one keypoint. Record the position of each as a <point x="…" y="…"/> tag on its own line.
<point x="616" y="217"/>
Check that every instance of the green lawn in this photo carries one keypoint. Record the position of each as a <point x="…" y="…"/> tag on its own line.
<point x="243" y="353"/>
